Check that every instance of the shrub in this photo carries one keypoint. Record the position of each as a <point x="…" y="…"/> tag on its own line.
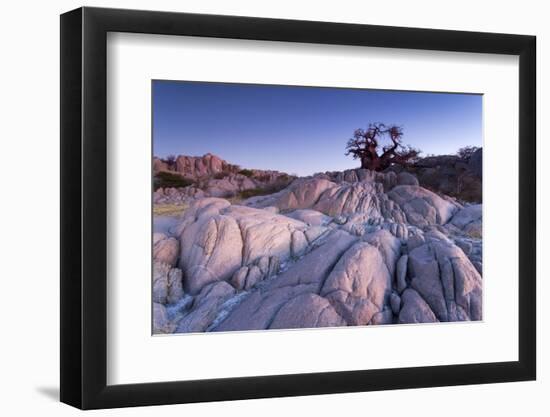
<point x="467" y="151"/>
<point x="263" y="177"/>
<point x="253" y="192"/>
<point x="165" y="179"/>
<point x="246" y="172"/>
<point x="219" y="175"/>
<point x="277" y="186"/>
<point x="232" y="168"/>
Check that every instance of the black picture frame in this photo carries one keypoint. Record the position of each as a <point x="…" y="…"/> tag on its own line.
<point x="84" y="207"/>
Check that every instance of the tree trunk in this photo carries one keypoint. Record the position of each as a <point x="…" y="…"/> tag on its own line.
<point x="372" y="164"/>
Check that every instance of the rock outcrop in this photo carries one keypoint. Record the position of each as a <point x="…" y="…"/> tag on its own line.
<point x="414" y="309"/>
<point x="354" y="248"/>
<point x="442" y="274"/>
<point x="211" y="176"/>
<point x="167" y="279"/>
<point x="402" y="204"/>
<point x="359" y="286"/>
<point x="167" y="283"/>
<point x="218" y="240"/>
<point x="229" y="185"/>
<point x="452" y="175"/>
<point x="205" y="307"/>
<point x="194" y="167"/>
<point x="422" y="207"/>
<point x="306" y="276"/>
<point x="469" y="220"/>
<point x="165" y="249"/>
<point x="180" y="195"/>
<point x="306" y="311"/>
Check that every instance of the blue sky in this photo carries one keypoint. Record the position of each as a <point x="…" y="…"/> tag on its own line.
<point x="302" y="130"/>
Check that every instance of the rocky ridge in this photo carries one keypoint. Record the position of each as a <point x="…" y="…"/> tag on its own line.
<point x="194" y="167"/>
<point x="212" y="176"/>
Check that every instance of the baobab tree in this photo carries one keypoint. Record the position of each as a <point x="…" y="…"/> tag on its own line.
<point x="365" y="145"/>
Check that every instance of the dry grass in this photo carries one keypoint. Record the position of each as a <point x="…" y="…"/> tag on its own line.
<point x="165" y="179"/>
<point x="169" y="209"/>
<point x="474" y="234"/>
<point x="236" y="200"/>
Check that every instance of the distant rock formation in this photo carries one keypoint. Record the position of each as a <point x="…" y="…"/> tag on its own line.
<point x="446" y="174"/>
<point x="211" y="176"/>
<point x="195" y="167"/>
<point x="450" y="174"/>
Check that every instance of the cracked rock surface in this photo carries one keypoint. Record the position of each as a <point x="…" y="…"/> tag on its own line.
<point x="353" y="248"/>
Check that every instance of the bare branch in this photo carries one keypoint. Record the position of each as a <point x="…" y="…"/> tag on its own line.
<point x="365" y="144"/>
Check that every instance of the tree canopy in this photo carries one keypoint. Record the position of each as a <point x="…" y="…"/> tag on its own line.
<point x="366" y="145"/>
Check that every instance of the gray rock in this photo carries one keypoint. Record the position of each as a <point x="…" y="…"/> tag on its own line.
<point x="399" y="230"/>
<point x="332" y="199"/>
<point x="205" y="307"/>
<point x="307" y="275"/>
<point x="382" y="317"/>
<point x="301" y="194"/>
<point x="263" y="233"/>
<point x="229" y="186"/>
<point x="238" y="280"/>
<point x="421" y="206"/>
<point x="401" y="273"/>
<point x="359" y="197"/>
<point x="274" y="265"/>
<point x="405" y="178"/>
<point x="161" y="324"/>
<point x="340" y="219"/>
<point x="353" y="248"/>
<point x="313" y="233"/>
<point x="387" y="179"/>
<point x="414" y="309"/>
<point x="395" y="302"/>
<point x="217" y="239"/>
<point x="254" y="276"/>
<point x="306" y="311"/>
<point x="263" y="264"/>
<point x="478" y="266"/>
<point x="467" y="215"/>
<point x="415" y="241"/>
<point x="404" y="203"/>
<point x="388" y="246"/>
<point x="167" y="283"/>
<point x="298" y="243"/>
<point x="311" y="217"/>
<point x="447" y="281"/>
<point x="211" y="250"/>
<point x="165" y="249"/>
<point x="465" y="246"/>
<point x="359" y="285"/>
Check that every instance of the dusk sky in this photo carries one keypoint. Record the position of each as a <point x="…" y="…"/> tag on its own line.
<point x="302" y="130"/>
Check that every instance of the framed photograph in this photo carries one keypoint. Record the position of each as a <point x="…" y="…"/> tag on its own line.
<point x="257" y="208"/>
